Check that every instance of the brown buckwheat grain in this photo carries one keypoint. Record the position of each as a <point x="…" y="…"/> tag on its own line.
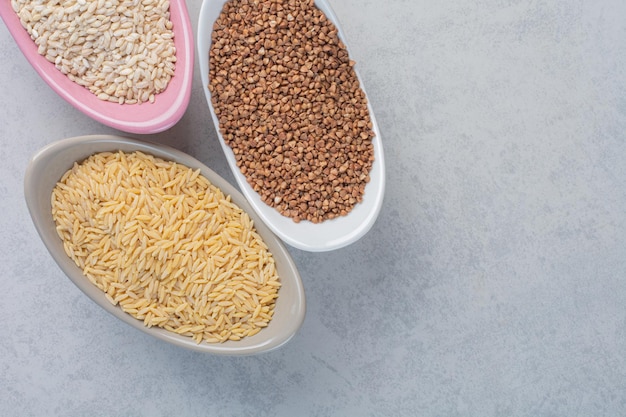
<point x="290" y="106"/>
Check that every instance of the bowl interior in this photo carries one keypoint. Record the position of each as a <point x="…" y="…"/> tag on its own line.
<point x="325" y="236"/>
<point x="50" y="163"/>
<point x="165" y="112"/>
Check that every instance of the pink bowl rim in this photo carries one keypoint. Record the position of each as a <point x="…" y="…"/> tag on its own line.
<point x="145" y="118"/>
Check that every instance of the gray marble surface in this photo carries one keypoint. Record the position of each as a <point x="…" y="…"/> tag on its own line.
<point x="492" y="284"/>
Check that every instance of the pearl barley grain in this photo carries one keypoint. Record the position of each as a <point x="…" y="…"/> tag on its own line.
<point x="290" y="106"/>
<point x="111" y="47"/>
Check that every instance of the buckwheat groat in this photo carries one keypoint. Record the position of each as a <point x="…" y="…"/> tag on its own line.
<point x="291" y="107"/>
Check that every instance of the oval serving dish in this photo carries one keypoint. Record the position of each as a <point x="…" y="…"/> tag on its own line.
<point x="314" y="237"/>
<point x="169" y="105"/>
<point x="50" y="163"/>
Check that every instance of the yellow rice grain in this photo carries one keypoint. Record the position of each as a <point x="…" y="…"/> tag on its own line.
<point x="166" y="245"/>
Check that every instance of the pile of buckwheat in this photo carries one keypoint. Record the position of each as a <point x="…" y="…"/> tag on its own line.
<point x="290" y="106"/>
<point x="121" y="50"/>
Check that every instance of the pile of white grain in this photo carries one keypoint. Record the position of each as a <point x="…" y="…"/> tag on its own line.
<point x="121" y="50"/>
<point x="166" y="245"/>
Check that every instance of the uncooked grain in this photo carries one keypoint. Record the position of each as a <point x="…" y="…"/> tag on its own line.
<point x="166" y="245"/>
<point x="291" y="107"/>
<point x="121" y="50"/>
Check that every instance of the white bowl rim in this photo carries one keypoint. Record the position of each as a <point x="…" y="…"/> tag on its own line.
<point x="330" y="234"/>
<point x="51" y="159"/>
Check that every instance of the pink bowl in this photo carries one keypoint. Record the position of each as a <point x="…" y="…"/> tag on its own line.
<point x="168" y="107"/>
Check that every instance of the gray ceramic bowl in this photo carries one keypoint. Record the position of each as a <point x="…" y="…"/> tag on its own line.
<point x="51" y="162"/>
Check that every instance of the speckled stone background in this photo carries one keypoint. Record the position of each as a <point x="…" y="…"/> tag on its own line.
<point x="492" y="284"/>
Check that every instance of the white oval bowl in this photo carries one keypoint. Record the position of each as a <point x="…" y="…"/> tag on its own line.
<point x="325" y="236"/>
<point x="50" y="163"/>
<point x="146" y="118"/>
